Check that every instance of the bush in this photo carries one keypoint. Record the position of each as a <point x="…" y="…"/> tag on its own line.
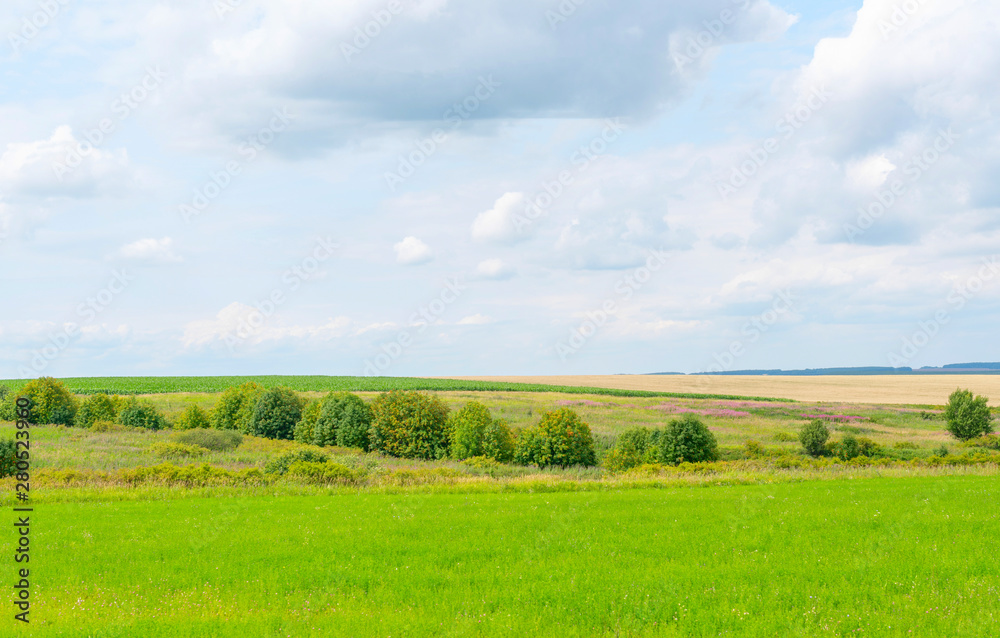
<point x="560" y="439"/>
<point x="141" y="415"/>
<point x="632" y="448"/>
<point x="498" y="442"/>
<point x="355" y="426"/>
<point x="214" y="440"/>
<point x="852" y="447"/>
<point x="475" y="433"/>
<point x="279" y="465"/>
<point x="276" y="413"/>
<point x="51" y="402"/>
<point x="409" y="425"/>
<point x="753" y="450"/>
<point x="235" y="408"/>
<point x="813" y="437"/>
<point x="8" y="411"/>
<point x="990" y="442"/>
<point x="687" y="440"/>
<point x="467" y="427"/>
<point x="173" y="450"/>
<point x="306" y="426"/>
<point x="323" y="473"/>
<point x="193" y="418"/>
<point x="8" y="458"/>
<point x="344" y="420"/>
<point x="97" y="407"/>
<point x="968" y="417"/>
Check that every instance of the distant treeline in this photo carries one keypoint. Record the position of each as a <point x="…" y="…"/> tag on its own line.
<point x="951" y="368"/>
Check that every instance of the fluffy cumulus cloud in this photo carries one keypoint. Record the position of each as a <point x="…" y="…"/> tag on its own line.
<point x="498" y="223"/>
<point x="64" y="166"/>
<point x="903" y="147"/>
<point x="494" y="269"/>
<point x="412" y="252"/>
<point x="150" y="250"/>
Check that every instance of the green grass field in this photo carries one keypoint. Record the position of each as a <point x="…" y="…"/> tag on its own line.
<point x="903" y="557"/>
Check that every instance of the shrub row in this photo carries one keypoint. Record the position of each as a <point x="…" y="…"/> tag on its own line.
<point x="684" y="440"/>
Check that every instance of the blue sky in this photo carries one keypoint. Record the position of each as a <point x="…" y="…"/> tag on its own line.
<point x="448" y="187"/>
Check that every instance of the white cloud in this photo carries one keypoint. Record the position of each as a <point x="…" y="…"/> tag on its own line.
<point x="493" y="269"/>
<point x="154" y="250"/>
<point x="475" y="320"/>
<point x="411" y="251"/>
<point x="56" y="167"/>
<point x="239" y="324"/>
<point x="497" y="224"/>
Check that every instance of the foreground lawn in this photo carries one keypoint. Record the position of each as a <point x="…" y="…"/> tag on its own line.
<point x="879" y="557"/>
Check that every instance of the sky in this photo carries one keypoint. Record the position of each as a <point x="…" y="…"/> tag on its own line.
<point x="497" y="187"/>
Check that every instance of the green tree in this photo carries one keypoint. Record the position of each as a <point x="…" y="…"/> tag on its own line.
<point x="193" y="418"/>
<point x="97" y="407"/>
<point x="561" y="439"/>
<point x="343" y="413"/>
<point x="51" y="402"/>
<point x="276" y="413"/>
<point x="235" y="407"/>
<point x="468" y="429"/>
<point x="687" y="440"/>
<point x="813" y="437"/>
<point x="633" y="447"/>
<point x="354" y="427"/>
<point x="307" y="424"/>
<point x="141" y="415"/>
<point x="968" y="416"/>
<point x="410" y="425"/>
<point x="498" y="442"/>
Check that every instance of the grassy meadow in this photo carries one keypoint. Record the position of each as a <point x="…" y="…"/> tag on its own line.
<point x="902" y="557"/>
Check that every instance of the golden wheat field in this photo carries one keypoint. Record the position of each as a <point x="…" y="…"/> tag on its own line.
<point x="908" y="390"/>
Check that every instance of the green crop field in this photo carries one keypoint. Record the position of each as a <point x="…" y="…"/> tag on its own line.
<point x="903" y="557"/>
<point x="169" y="385"/>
